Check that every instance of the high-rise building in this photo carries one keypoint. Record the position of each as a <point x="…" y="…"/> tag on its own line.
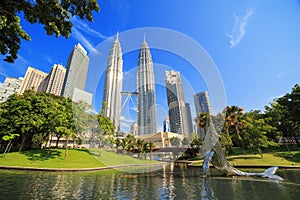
<point x="146" y="109"/>
<point x="54" y="81"/>
<point x="176" y="103"/>
<point x="189" y="117"/>
<point x="166" y="125"/>
<point x="9" y="87"/>
<point x="76" y="71"/>
<point x="32" y="80"/>
<point x="202" y="102"/>
<point x="113" y="84"/>
<point x="202" y="105"/>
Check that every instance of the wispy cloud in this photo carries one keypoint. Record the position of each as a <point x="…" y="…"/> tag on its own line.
<point x="288" y="72"/>
<point x="49" y="59"/>
<point x="81" y="25"/>
<point x="239" y="29"/>
<point x="125" y="123"/>
<point x="83" y="40"/>
<point x="124" y="119"/>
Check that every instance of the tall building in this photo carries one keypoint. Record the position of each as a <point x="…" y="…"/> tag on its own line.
<point x="113" y="84"/>
<point x="54" y="81"/>
<point x="146" y="108"/>
<point x="189" y="117"/>
<point x="32" y="80"/>
<point x="202" y="102"/>
<point x="176" y="103"/>
<point x="76" y="71"/>
<point x="9" y="87"/>
<point x="166" y="125"/>
<point x="202" y="105"/>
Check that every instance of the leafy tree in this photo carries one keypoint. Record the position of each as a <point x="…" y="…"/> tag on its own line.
<point x="175" y="141"/>
<point x="255" y="131"/>
<point x="283" y="114"/>
<point x="54" y="15"/>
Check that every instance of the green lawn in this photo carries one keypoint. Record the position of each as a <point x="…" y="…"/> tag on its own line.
<point x="77" y="158"/>
<point x="112" y="159"/>
<point x="269" y="159"/>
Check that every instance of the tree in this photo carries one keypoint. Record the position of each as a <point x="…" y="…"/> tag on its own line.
<point x="202" y="121"/>
<point x="233" y="124"/>
<point x="283" y="113"/>
<point x="54" y="15"/>
<point x="175" y="141"/>
<point x="255" y="131"/>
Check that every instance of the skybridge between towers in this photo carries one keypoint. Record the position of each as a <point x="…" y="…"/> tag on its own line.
<point x="128" y="96"/>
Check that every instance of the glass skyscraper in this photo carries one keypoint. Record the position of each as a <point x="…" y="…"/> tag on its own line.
<point x="76" y="71"/>
<point x="176" y="103"/>
<point x="146" y="110"/>
<point x="113" y="84"/>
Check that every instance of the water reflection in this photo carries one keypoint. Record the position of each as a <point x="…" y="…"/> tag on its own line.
<point x="170" y="182"/>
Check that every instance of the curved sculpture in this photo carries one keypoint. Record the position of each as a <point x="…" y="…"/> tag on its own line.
<point x="214" y="154"/>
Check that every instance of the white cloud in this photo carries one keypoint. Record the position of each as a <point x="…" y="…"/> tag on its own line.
<point x="85" y="28"/>
<point x="126" y="120"/>
<point x="49" y="59"/>
<point x="239" y="29"/>
<point x="288" y="72"/>
<point x="83" y="40"/>
<point x="1" y="85"/>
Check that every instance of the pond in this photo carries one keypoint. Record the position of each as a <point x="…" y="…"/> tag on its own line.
<point x="174" y="181"/>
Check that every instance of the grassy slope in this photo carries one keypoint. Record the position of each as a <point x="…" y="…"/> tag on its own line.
<point x="112" y="159"/>
<point x="269" y="159"/>
<point x="77" y="158"/>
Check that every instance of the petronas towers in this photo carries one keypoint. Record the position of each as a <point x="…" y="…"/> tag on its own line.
<point x="113" y="84"/>
<point x="146" y="92"/>
<point x="146" y="111"/>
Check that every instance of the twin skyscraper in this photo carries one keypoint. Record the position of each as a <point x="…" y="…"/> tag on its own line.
<point x="146" y="105"/>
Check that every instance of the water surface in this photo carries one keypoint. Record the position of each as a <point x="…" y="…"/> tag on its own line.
<point x="170" y="182"/>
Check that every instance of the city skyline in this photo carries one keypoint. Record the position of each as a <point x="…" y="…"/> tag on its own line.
<point x="246" y="40"/>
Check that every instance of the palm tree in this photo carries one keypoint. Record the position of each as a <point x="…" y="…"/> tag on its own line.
<point x="203" y="122"/>
<point x="151" y="147"/>
<point x="139" y="146"/>
<point x="233" y="119"/>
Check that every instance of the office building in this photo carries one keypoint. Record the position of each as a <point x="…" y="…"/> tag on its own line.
<point x="146" y="109"/>
<point x="202" y="102"/>
<point x="54" y="81"/>
<point x="32" y="80"/>
<point x="76" y="71"/>
<point x="9" y="87"/>
<point x="166" y="125"/>
<point x="176" y="103"/>
<point x="189" y="117"/>
<point x="113" y="84"/>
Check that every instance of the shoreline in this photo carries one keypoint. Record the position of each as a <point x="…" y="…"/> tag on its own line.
<point x="188" y="163"/>
<point x="73" y="169"/>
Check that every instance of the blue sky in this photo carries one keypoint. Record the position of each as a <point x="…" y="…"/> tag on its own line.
<point x="255" y="46"/>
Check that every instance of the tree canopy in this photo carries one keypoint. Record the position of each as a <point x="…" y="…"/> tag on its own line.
<point x="54" y="15"/>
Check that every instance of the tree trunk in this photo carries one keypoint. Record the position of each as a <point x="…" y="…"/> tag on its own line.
<point x="66" y="151"/>
<point x="23" y="139"/>
<point x="58" y="137"/>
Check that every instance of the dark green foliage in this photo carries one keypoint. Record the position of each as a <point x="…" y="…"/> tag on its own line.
<point x="54" y="15"/>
